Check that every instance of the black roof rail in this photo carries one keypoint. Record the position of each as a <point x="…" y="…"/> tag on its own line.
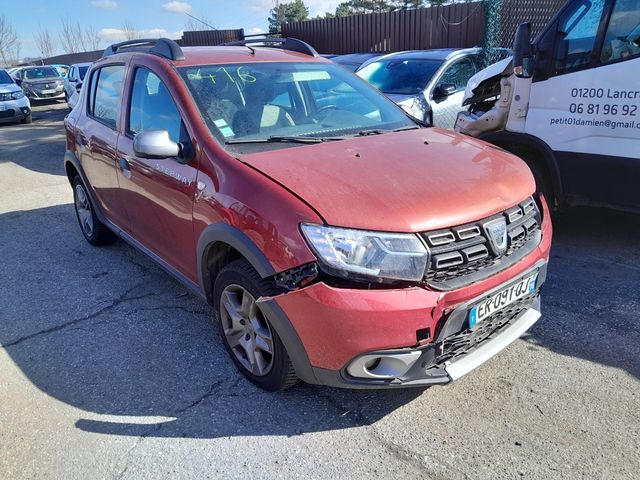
<point x="163" y="47"/>
<point x="289" y="43"/>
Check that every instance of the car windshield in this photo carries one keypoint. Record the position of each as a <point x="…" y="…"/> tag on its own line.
<point x="4" y="77"/>
<point x="82" y="71"/>
<point x="248" y="103"/>
<point x="400" y="76"/>
<point x="35" y="73"/>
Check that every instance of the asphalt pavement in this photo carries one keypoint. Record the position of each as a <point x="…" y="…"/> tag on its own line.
<point x="111" y="369"/>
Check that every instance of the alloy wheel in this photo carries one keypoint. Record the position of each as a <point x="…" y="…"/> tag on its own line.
<point x="246" y="330"/>
<point x="83" y="208"/>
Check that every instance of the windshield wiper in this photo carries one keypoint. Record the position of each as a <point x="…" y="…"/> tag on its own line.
<point x="282" y="139"/>
<point x="364" y="133"/>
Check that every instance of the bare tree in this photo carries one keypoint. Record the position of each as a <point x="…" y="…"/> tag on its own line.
<point x="71" y="36"/>
<point x="44" y="43"/>
<point x="92" y="40"/>
<point x="200" y="22"/>
<point x="17" y="50"/>
<point x="8" y="41"/>
<point x="129" y="31"/>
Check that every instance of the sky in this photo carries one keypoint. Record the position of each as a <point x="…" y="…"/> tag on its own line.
<point x="152" y="18"/>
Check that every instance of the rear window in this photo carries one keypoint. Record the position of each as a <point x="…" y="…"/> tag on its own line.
<point x="106" y="94"/>
<point x="40" y="72"/>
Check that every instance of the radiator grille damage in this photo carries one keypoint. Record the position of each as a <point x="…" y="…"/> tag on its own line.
<point x="462" y="343"/>
<point x="470" y="252"/>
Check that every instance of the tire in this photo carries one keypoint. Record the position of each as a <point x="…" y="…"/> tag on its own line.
<point x="27" y="119"/>
<point x="251" y="341"/>
<point x="94" y="231"/>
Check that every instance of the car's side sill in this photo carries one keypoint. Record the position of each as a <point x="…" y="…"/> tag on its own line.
<point x="194" y="287"/>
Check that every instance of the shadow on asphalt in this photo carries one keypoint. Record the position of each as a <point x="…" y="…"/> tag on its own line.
<point x="591" y="301"/>
<point x="38" y="146"/>
<point x="154" y="350"/>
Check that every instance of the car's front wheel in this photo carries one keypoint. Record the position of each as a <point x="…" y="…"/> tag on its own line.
<point x="247" y="333"/>
<point x="95" y="232"/>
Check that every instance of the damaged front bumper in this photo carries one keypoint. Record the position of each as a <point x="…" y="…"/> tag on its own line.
<point x="333" y="333"/>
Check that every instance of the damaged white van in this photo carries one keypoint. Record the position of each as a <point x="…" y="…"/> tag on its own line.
<point x="569" y="104"/>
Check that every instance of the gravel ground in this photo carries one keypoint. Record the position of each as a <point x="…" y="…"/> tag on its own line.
<point x="111" y="369"/>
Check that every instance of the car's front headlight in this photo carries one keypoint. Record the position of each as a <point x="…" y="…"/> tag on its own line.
<point x="18" y="94"/>
<point x="370" y="256"/>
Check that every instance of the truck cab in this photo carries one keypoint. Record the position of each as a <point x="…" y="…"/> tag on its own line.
<point x="569" y="104"/>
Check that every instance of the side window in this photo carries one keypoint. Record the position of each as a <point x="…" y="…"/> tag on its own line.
<point x="106" y="94"/>
<point x="458" y="74"/>
<point x="622" y="39"/>
<point x="579" y="32"/>
<point x="152" y="107"/>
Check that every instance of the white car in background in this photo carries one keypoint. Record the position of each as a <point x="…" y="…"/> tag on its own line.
<point x="73" y="82"/>
<point x="14" y="105"/>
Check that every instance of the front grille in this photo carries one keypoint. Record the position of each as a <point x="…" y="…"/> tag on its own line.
<point x="7" y="113"/>
<point x="462" y="343"/>
<point x="465" y="254"/>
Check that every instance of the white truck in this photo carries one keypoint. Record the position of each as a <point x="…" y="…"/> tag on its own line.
<point x="569" y="104"/>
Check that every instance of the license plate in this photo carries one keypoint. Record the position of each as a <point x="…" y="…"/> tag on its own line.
<point x="48" y="92"/>
<point x="501" y="299"/>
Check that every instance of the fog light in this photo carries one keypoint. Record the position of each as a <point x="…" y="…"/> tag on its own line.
<point x="383" y="366"/>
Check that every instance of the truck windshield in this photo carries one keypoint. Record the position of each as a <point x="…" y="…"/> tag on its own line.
<point x="400" y="77"/>
<point x="256" y="102"/>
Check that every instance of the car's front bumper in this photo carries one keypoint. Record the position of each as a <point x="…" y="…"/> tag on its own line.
<point x="37" y="94"/>
<point x="330" y="332"/>
<point x="14" y="110"/>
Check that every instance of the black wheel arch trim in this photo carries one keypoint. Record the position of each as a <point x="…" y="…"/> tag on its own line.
<point x="229" y="235"/>
<point x="70" y="157"/>
<point x="533" y="142"/>
<point x="290" y="339"/>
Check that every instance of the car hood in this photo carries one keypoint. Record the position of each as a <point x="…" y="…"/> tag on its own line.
<point x="409" y="181"/>
<point x="400" y="97"/>
<point x="9" y="88"/>
<point x="480" y="85"/>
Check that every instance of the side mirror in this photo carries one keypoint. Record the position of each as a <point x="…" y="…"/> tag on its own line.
<point x="155" y="144"/>
<point x="444" y="90"/>
<point x="523" y="63"/>
<point x="78" y="86"/>
<point x="18" y="81"/>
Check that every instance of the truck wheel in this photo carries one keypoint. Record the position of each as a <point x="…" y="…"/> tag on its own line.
<point x="94" y="231"/>
<point x="247" y="334"/>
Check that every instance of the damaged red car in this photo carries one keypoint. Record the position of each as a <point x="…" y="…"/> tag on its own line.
<point x="340" y="241"/>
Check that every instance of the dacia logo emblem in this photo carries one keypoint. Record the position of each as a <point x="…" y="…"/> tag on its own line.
<point x="497" y="233"/>
<point x="46" y="85"/>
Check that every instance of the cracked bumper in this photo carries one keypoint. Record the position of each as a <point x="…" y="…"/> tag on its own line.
<point x="325" y="329"/>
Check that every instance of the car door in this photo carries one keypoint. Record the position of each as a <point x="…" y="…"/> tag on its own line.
<point x="158" y="193"/>
<point x="585" y="100"/>
<point x="70" y="81"/>
<point x="98" y="138"/>
<point x="447" y="91"/>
